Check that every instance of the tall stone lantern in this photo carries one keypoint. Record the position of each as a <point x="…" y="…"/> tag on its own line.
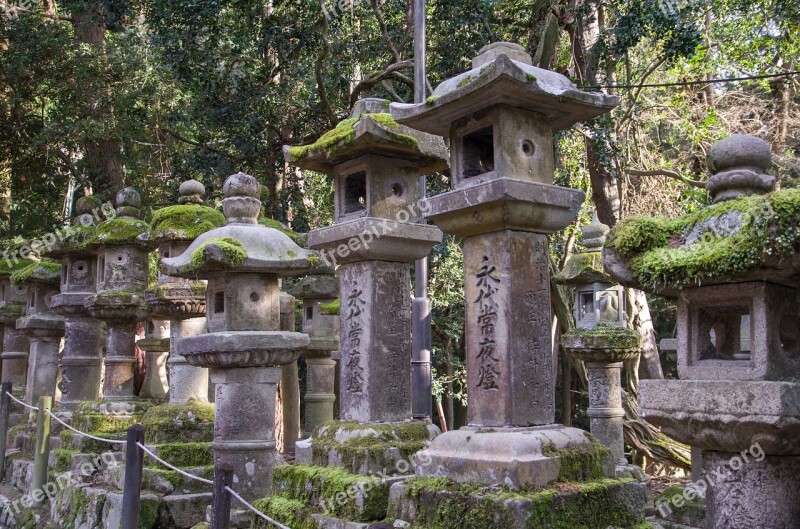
<point x="13" y="301"/>
<point x="601" y="340"/>
<point x="84" y="336"/>
<point x="122" y="276"/>
<point x="376" y="165"/>
<point x="733" y="266"/>
<point x="315" y="291"/>
<point x="43" y="327"/>
<point x="500" y="117"/>
<point x="179" y="300"/>
<point x="243" y="347"/>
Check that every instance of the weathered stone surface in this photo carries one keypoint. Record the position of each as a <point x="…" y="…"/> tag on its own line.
<point x="186" y="382"/>
<point x="156" y="348"/>
<point x="739" y="164"/>
<point x="725" y="415"/>
<point x="81" y="361"/>
<point x="15" y="342"/>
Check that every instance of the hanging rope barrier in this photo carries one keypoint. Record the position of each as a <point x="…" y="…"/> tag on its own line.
<point x="15" y="399"/>
<point x="84" y="434"/>
<point x="256" y="511"/>
<point x="171" y="467"/>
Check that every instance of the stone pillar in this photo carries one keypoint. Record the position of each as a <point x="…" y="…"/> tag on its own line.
<point x="500" y="118"/>
<point x="320" y="393"/>
<point x="15" y="343"/>
<point x="605" y="407"/>
<point x="243" y="347"/>
<point x="186" y="382"/>
<point x="156" y="348"/>
<point x="81" y="361"/>
<point x="120" y="360"/>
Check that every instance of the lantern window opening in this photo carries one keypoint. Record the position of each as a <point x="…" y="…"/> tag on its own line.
<point x="219" y="302"/>
<point x="477" y="152"/>
<point x="355" y="192"/>
<point x="310" y="312"/>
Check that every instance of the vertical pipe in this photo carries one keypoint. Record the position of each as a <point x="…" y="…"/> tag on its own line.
<point x="134" y="463"/>
<point x="421" y="400"/>
<point x="5" y="403"/>
<point x="42" y="451"/>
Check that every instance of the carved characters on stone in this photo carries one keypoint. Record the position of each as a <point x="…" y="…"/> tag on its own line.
<point x="487" y="317"/>
<point x="355" y="371"/>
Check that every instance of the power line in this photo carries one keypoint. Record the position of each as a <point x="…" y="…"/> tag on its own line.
<point x="691" y="83"/>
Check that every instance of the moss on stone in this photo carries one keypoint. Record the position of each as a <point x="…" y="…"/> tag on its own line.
<point x="291" y="513"/>
<point x="606" y="335"/>
<point x="332" y="308"/>
<point x="441" y="504"/>
<point x="431" y="100"/>
<point x="729" y="239"/>
<point x="197" y="288"/>
<point x="272" y="223"/>
<point x="117" y="297"/>
<point x="583" y="462"/>
<point x="174" y="423"/>
<point x="232" y="249"/>
<point x="12" y="310"/>
<point x="119" y="231"/>
<point x="350" y="496"/>
<point x="45" y="271"/>
<point x="186" y="455"/>
<point x="693" y="508"/>
<point x="345" y="133"/>
<point x="185" y="221"/>
<point x="586" y="267"/>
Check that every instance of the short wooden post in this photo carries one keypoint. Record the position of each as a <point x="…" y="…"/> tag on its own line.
<point x="134" y="464"/>
<point x="5" y="405"/>
<point x="221" y="510"/>
<point x="42" y="453"/>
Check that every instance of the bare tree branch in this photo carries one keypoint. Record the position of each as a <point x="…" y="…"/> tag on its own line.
<point x="669" y="174"/>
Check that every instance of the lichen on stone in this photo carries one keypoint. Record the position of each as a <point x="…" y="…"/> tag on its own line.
<point x="185" y="221"/>
<point x="725" y="240"/>
<point x="45" y="271"/>
<point x="232" y="249"/>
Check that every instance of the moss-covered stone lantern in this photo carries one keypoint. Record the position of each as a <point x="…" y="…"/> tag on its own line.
<point x="601" y="340"/>
<point x="84" y="336"/>
<point x="500" y="117"/>
<point x="122" y="277"/>
<point x="733" y="266"/>
<point x="243" y="347"/>
<point x="182" y="301"/>
<point x="43" y="327"/>
<point x="13" y="301"/>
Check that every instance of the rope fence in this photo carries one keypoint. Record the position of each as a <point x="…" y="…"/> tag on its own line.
<point x="134" y="464"/>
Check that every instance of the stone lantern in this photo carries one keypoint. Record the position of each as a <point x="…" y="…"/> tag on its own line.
<point x="43" y="327"/>
<point x="84" y="337"/>
<point x="122" y="276"/>
<point x="243" y="347"/>
<point x="13" y="301"/>
<point x="732" y="266"/>
<point x="376" y="165"/>
<point x="155" y="346"/>
<point x="182" y="301"/>
<point x="500" y="118"/>
<point x="601" y="340"/>
<point x="315" y="291"/>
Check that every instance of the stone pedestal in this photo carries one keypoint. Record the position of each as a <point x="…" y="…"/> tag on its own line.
<point x="81" y="361"/>
<point x="120" y="360"/>
<point x="320" y="394"/>
<point x="186" y="382"/>
<point x="15" y="343"/>
<point x="156" y="349"/>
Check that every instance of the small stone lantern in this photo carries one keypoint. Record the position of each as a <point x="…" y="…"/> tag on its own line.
<point x="155" y="346"/>
<point x="601" y="340"/>
<point x="243" y="347"/>
<point x="122" y="276"/>
<point x="43" y="327"/>
<point x="315" y="291"/>
<point x="500" y="117"/>
<point x="182" y="301"/>
<point x="13" y="302"/>
<point x="733" y="267"/>
<point x="84" y="337"/>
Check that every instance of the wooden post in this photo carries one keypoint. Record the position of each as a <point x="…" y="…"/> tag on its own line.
<point x="5" y="405"/>
<point x="42" y="453"/>
<point x="221" y="505"/>
<point x="134" y="463"/>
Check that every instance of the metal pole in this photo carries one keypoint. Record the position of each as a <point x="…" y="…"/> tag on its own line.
<point x="42" y="453"/>
<point x="5" y="404"/>
<point x="134" y="463"/>
<point x="221" y="510"/>
<point x="421" y="400"/>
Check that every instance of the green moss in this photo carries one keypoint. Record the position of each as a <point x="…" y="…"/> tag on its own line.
<point x="119" y="231"/>
<point x="232" y="249"/>
<point x="586" y="267"/>
<point x="431" y="100"/>
<point x="197" y="288"/>
<point x="583" y="462"/>
<point x="272" y="223"/>
<point x="9" y="266"/>
<point x="332" y="308"/>
<point x="12" y="310"/>
<point x="531" y="78"/>
<point x="608" y="335"/>
<point x="172" y="423"/>
<point x="186" y="455"/>
<point x="185" y="221"/>
<point x="117" y="297"/>
<point x="694" y="507"/>
<point x="291" y="513"/>
<point x="351" y="496"/>
<point x="46" y="271"/>
<point x="465" y="81"/>
<point x="63" y="459"/>
<point x="762" y="228"/>
<point x="446" y="505"/>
